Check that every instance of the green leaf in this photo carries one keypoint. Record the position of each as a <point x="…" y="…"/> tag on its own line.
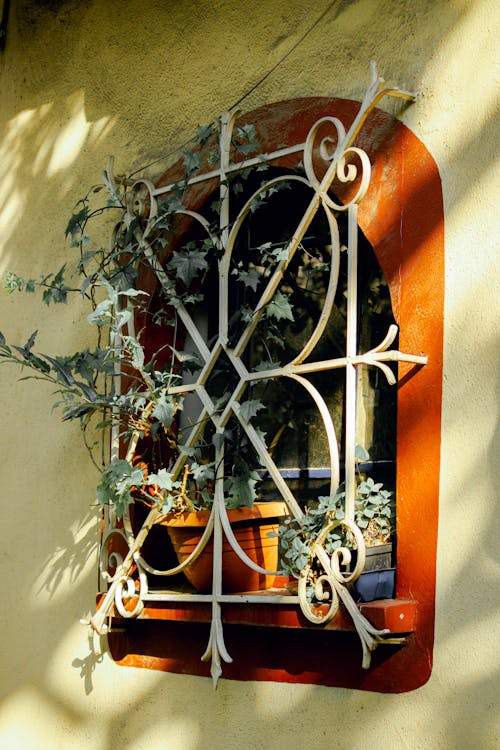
<point x="187" y="359"/>
<point x="247" y="132"/>
<point x="246" y="148"/>
<point x="266" y="365"/>
<point x="261" y="434"/>
<point x="132" y="293"/>
<point x="279" y="307"/>
<point x="273" y="336"/>
<point x="203" y="133"/>
<point x="246" y="314"/>
<point x="249" y="278"/>
<point x="101" y="316"/>
<point x="187" y="263"/>
<point x="202" y="472"/>
<point x="273" y="253"/>
<point x="218" y="438"/>
<point x="191" y="161"/>
<point x="187" y="450"/>
<point x="249" y="409"/>
<point x="63" y="372"/>
<point x="124" y="276"/>
<point x="136" y="352"/>
<point x="87" y="391"/>
<point x="361" y="454"/>
<point x="167" y="504"/>
<point x="14" y="283"/>
<point x="116" y="482"/>
<point x="74" y="226"/>
<point x="86" y="257"/>
<point x="37" y="363"/>
<point x="163" y="479"/>
<point x="26" y="349"/>
<point x="242" y="490"/>
<point x="164" y="410"/>
<point x="55" y="294"/>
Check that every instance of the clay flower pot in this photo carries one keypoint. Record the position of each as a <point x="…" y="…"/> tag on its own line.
<point x="251" y="527"/>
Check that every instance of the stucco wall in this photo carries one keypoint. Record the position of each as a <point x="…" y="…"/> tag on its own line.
<point x="81" y="80"/>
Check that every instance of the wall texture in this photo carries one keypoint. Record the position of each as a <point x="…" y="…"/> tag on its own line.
<point x="81" y="80"/>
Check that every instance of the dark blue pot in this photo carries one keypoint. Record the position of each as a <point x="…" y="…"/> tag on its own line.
<point x="375" y="584"/>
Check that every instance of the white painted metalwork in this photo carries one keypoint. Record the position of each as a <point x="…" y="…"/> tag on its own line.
<point x="331" y="587"/>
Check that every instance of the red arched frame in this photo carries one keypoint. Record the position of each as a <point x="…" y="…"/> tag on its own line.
<point x="402" y="218"/>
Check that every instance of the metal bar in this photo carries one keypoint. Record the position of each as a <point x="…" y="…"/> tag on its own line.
<point x="351" y="347"/>
<point x="238" y="166"/>
<point x="167" y="596"/>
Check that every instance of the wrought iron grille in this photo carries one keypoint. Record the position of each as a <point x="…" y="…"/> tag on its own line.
<point x="345" y="163"/>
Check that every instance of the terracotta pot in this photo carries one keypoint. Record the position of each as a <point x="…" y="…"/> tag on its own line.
<point x="251" y="527"/>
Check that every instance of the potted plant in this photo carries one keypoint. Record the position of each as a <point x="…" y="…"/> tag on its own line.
<point x="374" y="514"/>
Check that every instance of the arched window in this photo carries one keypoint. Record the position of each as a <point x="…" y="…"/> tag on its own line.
<point x="395" y="243"/>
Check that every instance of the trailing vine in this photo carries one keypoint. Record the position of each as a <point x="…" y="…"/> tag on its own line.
<point x="86" y="382"/>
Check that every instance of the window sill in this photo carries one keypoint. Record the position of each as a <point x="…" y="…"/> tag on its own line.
<point x="396" y="615"/>
<point x="167" y="636"/>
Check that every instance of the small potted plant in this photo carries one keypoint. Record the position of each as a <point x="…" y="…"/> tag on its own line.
<point x="374" y="514"/>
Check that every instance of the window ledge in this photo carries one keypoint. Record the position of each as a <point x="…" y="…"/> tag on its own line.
<point x="396" y="615"/>
<point x="274" y="642"/>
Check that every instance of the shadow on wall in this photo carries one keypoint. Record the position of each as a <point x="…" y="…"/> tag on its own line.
<point x="41" y="152"/>
<point x="39" y="146"/>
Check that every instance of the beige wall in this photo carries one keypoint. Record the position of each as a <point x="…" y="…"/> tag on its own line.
<point x="81" y="80"/>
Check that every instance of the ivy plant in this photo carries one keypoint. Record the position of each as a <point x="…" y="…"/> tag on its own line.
<point x="85" y="382"/>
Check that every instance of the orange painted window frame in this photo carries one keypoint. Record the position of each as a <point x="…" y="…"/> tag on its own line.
<point x="402" y="218"/>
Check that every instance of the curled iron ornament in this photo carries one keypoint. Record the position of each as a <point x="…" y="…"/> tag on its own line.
<point x="127" y="590"/>
<point x="340" y="167"/>
<point x="111" y="558"/>
<point x="331" y="582"/>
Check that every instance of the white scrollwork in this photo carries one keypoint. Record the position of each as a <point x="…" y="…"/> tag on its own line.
<point x="327" y="153"/>
<point x="108" y="557"/>
<point x="127" y="585"/>
<point x="130" y="592"/>
<point x="205" y="537"/>
<point x="329" y="429"/>
<point x="380" y="354"/>
<point x="338" y="153"/>
<point x="142" y="201"/>
<point x="325" y="577"/>
<point x="342" y="556"/>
